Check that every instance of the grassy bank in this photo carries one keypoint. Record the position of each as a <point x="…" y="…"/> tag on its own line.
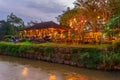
<point x="88" y="56"/>
<point x="50" y="44"/>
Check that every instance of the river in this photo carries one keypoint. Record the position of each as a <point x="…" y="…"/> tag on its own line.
<point x="12" y="68"/>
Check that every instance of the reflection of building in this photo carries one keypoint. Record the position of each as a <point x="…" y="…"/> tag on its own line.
<point x="25" y="71"/>
<point x="40" y="30"/>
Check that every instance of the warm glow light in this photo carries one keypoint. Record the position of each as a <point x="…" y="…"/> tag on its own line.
<point x="74" y="20"/>
<point x="72" y="78"/>
<point x="52" y="77"/>
<point x="37" y="31"/>
<point x="70" y="24"/>
<point x="98" y="17"/>
<point x="82" y="21"/>
<point x="77" y="77"/>
<point x="76" y="29"/>
<point x="25" y="71"/>
<point x="52" y="29"/>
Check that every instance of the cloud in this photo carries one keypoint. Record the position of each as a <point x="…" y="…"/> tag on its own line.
<point x="45" y="10"/>
<point x="50" y="7"/>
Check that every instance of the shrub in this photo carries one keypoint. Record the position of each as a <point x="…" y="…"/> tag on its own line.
<point x="12" y="50"/>
<point x="116" y="46"/>
<point x="88" y="57"/>
<point x="48" y="51"/>
<point x="116" y="43"/>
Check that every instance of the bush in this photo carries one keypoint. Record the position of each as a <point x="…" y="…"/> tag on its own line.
<point x="49" y="51"/>
<point x="88" y="57"/>
<point x="115" y="46"/>
<point x="116" y="43"/>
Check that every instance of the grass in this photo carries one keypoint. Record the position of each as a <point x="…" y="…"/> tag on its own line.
<point x="51" y="44"/>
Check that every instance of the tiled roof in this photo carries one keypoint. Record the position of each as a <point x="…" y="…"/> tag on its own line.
<point x="49" y="24"/>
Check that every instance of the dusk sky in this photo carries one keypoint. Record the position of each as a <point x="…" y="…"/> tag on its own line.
<point x="35" y="10"/>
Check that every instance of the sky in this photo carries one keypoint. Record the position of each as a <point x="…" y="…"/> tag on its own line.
<point x="35" y="10"/>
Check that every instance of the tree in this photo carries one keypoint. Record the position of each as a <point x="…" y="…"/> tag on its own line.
<point x="67" y="16"/>
<point x="5" y="29"/>
<point x="96" y="12"/>
<point x="2" y="28"/>
<point x="112" y="28"/>
<point x="14" y="24"/>
<point x="11" y="26"/>
<point x="90" y="15"/>
<point x="15" y="21"/>
<point x="75" y="20"/>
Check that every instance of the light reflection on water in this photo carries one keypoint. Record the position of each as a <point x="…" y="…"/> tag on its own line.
<point x="25" y="71"/>
<point x="22" y="69"/>
<point x="52" y="76"/>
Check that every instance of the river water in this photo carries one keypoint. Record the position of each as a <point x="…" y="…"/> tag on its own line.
<point x="12" y="68"/>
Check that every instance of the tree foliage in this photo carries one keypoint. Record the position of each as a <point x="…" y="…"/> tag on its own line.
<point x="67" y="16"/>
<point x="96" y="12"/>
<point x="75" y="20"/>
<point x="11" y="25"/>
<point x="15" y="21"/>
<point x="115" y="10"/>
<point x="113" y="26"/>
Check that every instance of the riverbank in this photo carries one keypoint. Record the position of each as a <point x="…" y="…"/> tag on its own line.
<point x="88" y="57"/>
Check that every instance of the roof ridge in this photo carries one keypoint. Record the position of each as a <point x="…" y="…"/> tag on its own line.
<point x="48" y="24"/>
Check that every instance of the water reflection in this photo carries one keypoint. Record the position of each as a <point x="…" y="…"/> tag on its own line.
<point x="25" y="71"/>
<point x="52" y="76"/>
<point x="22" y="69"/>
<point x="74" y="76"/>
